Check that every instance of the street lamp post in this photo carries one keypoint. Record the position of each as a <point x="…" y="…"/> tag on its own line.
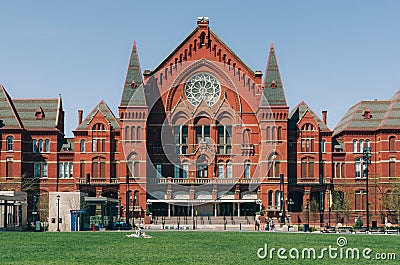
<point x="127" y="199"/>
<point x="308" y="215"/>
<point x="282" y="206"/>
<point x="366" y="160"/>
<point x="58" y="213"/>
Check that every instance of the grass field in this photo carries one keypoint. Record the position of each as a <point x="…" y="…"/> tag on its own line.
<point x="181" y="248"/>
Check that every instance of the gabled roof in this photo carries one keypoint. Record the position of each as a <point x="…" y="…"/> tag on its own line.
<point x="8" y="115"/>
<point x="105" y="111"/>
<point x="214" y="37"/>
<point x="26" y="109"/>
<point x="299" y="111"/>
<point x="273" y="94"/>
<point x="133" y="93"/>
<point x="353" y="120"/>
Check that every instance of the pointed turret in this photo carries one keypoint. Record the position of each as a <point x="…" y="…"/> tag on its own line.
<point x="133" y="94"/>
<point x="8" y="115"/>
<point x="273" y="88"/>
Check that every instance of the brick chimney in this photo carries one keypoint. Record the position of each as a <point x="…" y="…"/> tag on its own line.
<point x="80" y="115"/>
<point x="325" y="116"/>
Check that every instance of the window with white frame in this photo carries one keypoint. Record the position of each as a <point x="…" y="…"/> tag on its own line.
<point x="358" y="168"/>
<point x="221" y="171"/>
<point x="323" y="146"/>
<point x="229" y="170"/>
<point x="65" y="169"/>
<point x="10" y="143"/>
<point x="47" y="145"/>
<point x="40" y="170"/>
<point x="247" y="170"/>
<point x="355" y="146"/>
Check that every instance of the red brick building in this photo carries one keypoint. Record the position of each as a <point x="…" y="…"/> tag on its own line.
<point x="203" y="134"/>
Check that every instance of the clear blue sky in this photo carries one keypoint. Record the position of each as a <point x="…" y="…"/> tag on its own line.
<point x="331" y="53"/>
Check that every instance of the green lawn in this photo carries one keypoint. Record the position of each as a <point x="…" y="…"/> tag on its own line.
<point x="179" y="247"/>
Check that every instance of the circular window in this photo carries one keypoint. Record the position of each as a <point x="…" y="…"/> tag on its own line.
<point x="202" y="86"/>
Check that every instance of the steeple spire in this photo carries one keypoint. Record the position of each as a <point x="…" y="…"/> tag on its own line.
<point x="273" y="87"/>
<point x="133" y="93"/>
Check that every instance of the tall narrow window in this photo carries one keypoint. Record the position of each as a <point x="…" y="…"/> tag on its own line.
<point x="342" y="170"/>
<point x="323" y="146"/>
<point x="60" y="170"/>
<point x="94" y="145"/>
<point x="177" y="171"/>
<point x="361" y="146"/>
<point x="358" y="168"/>
<point x="220" y="171"/>
<point x="44" y="170"/>
<point x="95" y="169"/>
<point x="139" y="133"/>
<point x="9" y="167"/>
<point x="10" y="143"/>
<point x="270" y="198"/>
<point x="392" y="168"/>
<point x="278" y="199"/>
<point x="83" y="146"/>
<point x="159" y="170"/>
<point x="268" y="131"/>
<point x="368" y="143"/>
<point x="273" y="133"/>
<point x="82" y="169"/>
<point x="279" y="133"/>
<point x="304" y="169"/>
<point x="392" y="143"/>
<point x="47" y="145"/>
<point x="354" y="146"/>
<point x="277" y="170"/>
<point x="40" y="145"/>
<point x="185" y="171"/>
<point x="246" y="136"/>
<point x="133" y="129"/>
<point x="126" y="133"/>
<point x="102" y="168"/>
<point x="229" y="170"/>
<point x="36" y="170"/>
<point x="71" y="170"/>
<point x="34" y="146"/>
<point x="247" y="170"/>
<point x="184" y="139"/>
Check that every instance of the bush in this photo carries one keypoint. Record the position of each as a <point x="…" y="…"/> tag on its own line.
<point x="359" y="223"/>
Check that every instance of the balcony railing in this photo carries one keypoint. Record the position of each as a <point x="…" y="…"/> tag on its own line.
<point x="202" y="180"/>
<point x="95" y="181"/>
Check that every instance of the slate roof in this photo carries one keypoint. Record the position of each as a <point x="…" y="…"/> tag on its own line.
<point x="385" y="114"/>
<point x="105" y="111"/>
<point x="273" y="96"/>
<point x="8" y="114"/>
<point x="26" y="109"/>
<point x="133" y="96"/>
<point x="297" y="114"/>
<point x="392" y="116"/>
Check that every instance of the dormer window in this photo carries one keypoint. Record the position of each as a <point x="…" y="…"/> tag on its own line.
<point x="366" y="113"/>
<point x="273" y="84"/>
<point x="39" y="114"/>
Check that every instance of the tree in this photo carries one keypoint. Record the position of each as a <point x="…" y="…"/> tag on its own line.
<point x="390" y="201"/>
<point x="314" y="210"/>
<point x="341" y="206"/>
